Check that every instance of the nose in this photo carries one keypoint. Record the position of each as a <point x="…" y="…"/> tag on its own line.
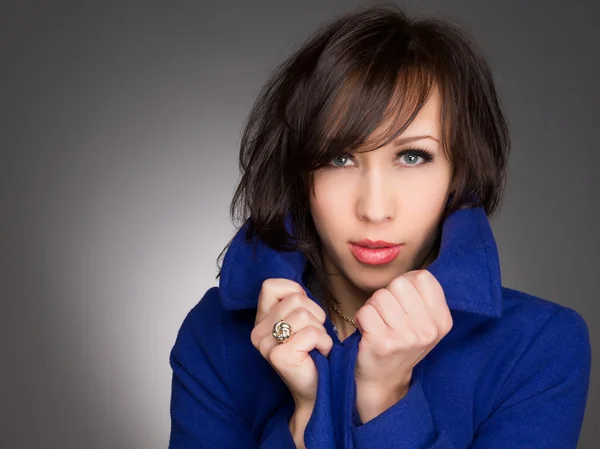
<point x="375" y="198"/>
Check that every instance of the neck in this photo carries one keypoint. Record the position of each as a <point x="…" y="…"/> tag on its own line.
<point x="344" y="329"/>
<point x="350" y="299"/>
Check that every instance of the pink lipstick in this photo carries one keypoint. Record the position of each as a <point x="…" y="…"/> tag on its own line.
<point x="375" y="252"/>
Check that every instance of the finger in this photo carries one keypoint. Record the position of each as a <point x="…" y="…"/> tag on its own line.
<point x="313" y="337"/>
<point x="273" y="290"/>
<point x="428" y="287"/>
<point x="298" y="319"/>
<point x="295" y="352"/>
<point x="297" y="300"/>
<point x="286" y="306"/>
<point x="408" y="297"/>
<point x="369" y="320"/>
<point x="433" y="296"/>
<point x="389" y="308"/>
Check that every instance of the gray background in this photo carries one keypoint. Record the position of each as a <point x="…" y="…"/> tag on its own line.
<point x="120" y="130"/>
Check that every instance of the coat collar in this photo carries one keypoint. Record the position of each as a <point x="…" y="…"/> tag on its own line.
<point x="467" y="266"/>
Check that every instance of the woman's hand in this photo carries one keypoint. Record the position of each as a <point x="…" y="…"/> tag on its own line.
<point x="400" y="325"/>
<point x="283" y="299"/>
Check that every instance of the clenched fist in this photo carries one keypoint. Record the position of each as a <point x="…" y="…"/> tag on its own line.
<point x="400" y="325"/>
<point x="283" y="299"/>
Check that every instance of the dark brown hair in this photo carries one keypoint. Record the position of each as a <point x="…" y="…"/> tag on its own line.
<point x="358" y="70"/>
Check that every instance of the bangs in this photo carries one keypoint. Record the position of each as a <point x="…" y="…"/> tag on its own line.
<point x="383" y="90"/>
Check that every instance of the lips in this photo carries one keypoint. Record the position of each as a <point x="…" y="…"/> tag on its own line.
<point x="374" y="252"/>
<point x="374" y="243"/>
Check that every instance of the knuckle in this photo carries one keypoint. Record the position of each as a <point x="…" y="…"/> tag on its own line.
<point x="396" y="283"/>
<point x="295" y="300"/>
<point x="303" y="314"/>
<point x="383" y="348"/>
<point x="253" y="338"/>
<point x="323" y="316"/>
<point x="379" y="295"/>
<point x="267" y="284"/>
<point x="294" y="287"/>
<point x="275" y="356"/>
<point x="410" y="340"/>
<point x="378" y="300"/>
<point x="448" y="323"/>
<point x="262" y="347"/>
<point x="271" y="284"/>
<point x="422" y="275"/>
<point x="420" y="278"/>
<point x="329" y="340"/>
<point x="430" y="335"/>
<point x="307" y="315"/>
<point x="358" y="316"/>
<point x="387" y="346"/>
<point x="320" y="314"/>
<point x="311" y="331"/>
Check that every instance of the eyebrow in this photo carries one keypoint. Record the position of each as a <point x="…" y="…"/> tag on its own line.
<point x="403" y="140"/>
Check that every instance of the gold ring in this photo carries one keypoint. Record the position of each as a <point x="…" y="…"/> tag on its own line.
<point x="282" y="331"/>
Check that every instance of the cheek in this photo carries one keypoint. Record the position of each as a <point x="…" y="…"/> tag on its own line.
<point x="328" y="207"/>
<point x="429" y="190"/>
<point x="326" y="196"/>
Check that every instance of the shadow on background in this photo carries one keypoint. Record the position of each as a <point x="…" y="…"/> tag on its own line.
<point x="120" y="129"/>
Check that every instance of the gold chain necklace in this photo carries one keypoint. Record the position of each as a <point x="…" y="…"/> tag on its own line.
<point x="339" y="312"/>
<point x="312" y="285"/>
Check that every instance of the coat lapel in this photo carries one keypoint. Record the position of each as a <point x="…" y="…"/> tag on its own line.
<point x="467" y="267"/>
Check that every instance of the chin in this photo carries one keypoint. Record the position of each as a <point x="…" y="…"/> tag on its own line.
<point x="371" y="278"/>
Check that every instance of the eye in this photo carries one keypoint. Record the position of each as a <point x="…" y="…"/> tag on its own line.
<point x="343" y="158"/>
<point x="413" y="155"/>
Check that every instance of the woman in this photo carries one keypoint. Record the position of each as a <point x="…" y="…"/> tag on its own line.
<point x="371" y="164"/>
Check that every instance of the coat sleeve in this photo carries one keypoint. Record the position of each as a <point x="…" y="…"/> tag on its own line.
<point x="204" y="413"/>
<point x="541" y="403"/>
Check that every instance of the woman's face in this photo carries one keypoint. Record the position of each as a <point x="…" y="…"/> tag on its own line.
<point x="378" y="195"/>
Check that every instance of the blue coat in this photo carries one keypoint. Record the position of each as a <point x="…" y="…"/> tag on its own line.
<point x="513" y="372"/>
